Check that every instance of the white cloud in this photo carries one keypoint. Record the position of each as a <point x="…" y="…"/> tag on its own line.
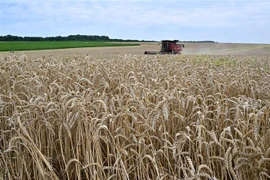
<point x="69" y="16"/>
<point x="134" y="13"/>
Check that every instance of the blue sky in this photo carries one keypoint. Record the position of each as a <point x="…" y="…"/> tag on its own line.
<point x="243" y="21"/>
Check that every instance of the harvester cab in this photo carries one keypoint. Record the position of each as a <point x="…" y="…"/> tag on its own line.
<point x="168" y="47"/>
<point x="171" y="47"/>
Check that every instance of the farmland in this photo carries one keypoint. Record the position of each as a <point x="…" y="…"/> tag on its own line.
<point x="216" y="49"/>
<point x="113" y="113"/>
<point x="41" y="45"/>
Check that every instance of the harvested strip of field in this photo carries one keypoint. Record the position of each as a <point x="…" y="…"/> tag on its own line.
<point x="227" y="49"/>
<point x="219" y="49"/>
<point x="242" y="50"/>
<point x="40" y="45"/>
<point x="134" y="117"/>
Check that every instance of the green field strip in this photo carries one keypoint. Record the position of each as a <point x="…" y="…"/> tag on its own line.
<point x="42" y="45"/>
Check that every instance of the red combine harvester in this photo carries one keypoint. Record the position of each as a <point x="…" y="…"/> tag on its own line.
<point x="168" y="47"/>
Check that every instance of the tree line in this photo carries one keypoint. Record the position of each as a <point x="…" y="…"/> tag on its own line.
<point x="56" y="38"/>
<point x="78" y="37"/>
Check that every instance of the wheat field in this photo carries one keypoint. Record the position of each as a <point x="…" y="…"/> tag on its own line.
<point x="135" y="117"/>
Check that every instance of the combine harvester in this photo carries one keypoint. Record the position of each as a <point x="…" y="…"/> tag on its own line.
<point x="168" y="47"/>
